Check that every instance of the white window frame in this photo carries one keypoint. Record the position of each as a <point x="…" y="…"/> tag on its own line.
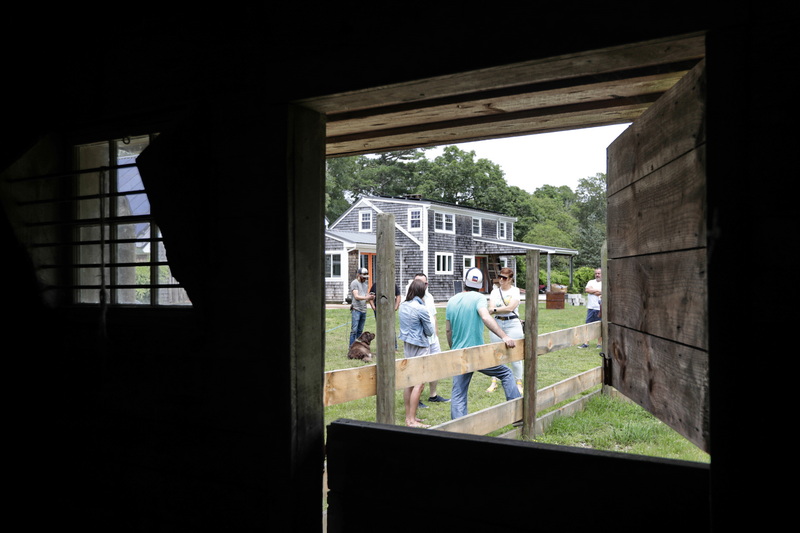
<point x="480" y="226"/>
<point x="361" y="220"/>
<point x="502" y="229"/>
<point x="444" y="263"/>
<point x="441" y="220"/>
<point x="411" y="218"/>
<point x="468" y="262"/>
<point x="329" y="265"/>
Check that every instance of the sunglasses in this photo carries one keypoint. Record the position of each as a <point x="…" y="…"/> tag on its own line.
<point x="503" y="277"/>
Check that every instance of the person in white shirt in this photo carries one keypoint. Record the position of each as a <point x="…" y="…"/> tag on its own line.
<point x="594" y="293"/>
<point x="503" y="303"/>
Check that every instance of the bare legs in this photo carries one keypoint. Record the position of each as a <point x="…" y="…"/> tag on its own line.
<point x="411" y="401"/>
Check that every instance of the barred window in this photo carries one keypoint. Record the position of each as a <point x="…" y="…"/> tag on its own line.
<point x="120" y="247"/>
<point x="90" y="232"/>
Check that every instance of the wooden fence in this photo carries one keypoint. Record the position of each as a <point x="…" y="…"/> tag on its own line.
<point x="354" y="383"/>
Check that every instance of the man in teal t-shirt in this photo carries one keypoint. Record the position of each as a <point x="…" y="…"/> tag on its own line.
<point x="466" y="315"/>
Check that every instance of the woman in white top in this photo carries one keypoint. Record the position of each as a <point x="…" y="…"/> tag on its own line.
<point x="503" y="303"/>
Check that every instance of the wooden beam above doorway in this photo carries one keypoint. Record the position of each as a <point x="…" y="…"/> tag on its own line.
<point x="595" y="88"/>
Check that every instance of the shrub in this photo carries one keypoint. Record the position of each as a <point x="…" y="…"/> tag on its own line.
<point x="582" y="277"/>
<point x="556" y="276"/>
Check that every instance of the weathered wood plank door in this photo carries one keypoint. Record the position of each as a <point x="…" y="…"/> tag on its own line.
<point x="655" y="296"/>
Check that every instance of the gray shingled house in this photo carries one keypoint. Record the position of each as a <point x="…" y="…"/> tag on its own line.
<point x="436" y="238"/>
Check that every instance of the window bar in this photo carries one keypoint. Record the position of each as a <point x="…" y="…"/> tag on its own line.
<point x="111" y="205"/>
<point x="103" y="301"/>
<point x="155" y="278"/>
<point x="107" y="242"/>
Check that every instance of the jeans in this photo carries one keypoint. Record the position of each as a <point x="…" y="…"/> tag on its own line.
<point x="357" y="325"/>
<point x="458" y="402"/>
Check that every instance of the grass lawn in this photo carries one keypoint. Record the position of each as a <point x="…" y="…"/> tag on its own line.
<point x="618" y="434"/>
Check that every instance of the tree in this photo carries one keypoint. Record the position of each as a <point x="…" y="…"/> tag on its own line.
<point x="591" y="198"/>
<point x="455" y="177"/>
<point x="340" y="175"/>
<point x="390" y="173"/>
<point x="590" y="212"/>
<point x="385" y="174"/>
<point x="548" y="219"/>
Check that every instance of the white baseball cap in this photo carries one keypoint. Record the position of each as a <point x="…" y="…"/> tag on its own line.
<point x="473" y="278"/>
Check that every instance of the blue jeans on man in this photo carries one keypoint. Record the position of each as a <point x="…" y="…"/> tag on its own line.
<point x="458" y="401"/>
<point x="358" y="319"/>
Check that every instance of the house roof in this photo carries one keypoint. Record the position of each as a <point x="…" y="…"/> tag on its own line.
<point x="482" y="244"/>
<point x="352" y="237"/>
<point x="500" y="246"/>
<point x="414" y="200"/>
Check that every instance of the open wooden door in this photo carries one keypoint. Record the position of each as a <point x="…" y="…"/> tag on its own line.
<point x="655" y="287"/>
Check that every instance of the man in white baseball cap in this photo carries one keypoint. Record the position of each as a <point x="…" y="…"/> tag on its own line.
<point x="466" y="315"/>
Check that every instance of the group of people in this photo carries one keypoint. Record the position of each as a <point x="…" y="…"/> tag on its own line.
<point x="418" y="331"/>
<point x="466" y="314"/>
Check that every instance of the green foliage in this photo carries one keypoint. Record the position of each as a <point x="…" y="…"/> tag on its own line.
<point x="590" y="212"/>
<point x="581" y="277"/>
<point x="143" y="279"/>
<point x="455" y="177"/>
<point x="559" y="277"/>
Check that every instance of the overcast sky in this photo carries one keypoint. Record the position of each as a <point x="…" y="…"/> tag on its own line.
<point x="560" y="158"/>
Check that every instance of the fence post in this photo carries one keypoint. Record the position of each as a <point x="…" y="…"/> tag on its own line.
<point x="385" y="332"/>
<point x="604" y="303"/>
<point x="531" y="331"/>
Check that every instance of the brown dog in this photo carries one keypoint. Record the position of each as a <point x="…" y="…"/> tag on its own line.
<point x="360" y="347"/>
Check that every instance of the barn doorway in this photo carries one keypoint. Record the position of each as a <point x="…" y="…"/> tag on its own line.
<point x="593" y="88"/>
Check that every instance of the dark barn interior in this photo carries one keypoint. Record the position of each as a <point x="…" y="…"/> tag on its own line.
<point x="210" y="417"/>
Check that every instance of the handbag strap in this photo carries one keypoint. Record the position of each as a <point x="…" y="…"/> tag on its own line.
<point x="503" y="299"/>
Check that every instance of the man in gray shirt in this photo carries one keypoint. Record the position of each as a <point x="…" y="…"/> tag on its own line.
<point x="359" y="288"/>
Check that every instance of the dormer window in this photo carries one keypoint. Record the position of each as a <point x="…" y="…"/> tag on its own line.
<point x="502" y="230"/>
<point x="476" y="226"/>
<point x="365" y="220"/>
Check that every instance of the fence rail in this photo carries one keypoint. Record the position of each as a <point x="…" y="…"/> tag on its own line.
<point x="355" y="383"/>
<point x="351" y="384"/>
<point x="492" y="418"/>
